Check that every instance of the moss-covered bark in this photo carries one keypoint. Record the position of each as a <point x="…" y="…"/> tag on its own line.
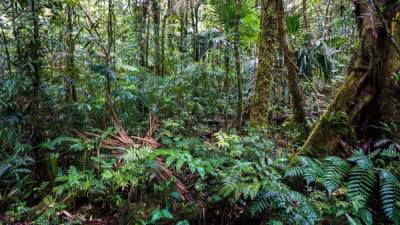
<point x="260" y="102"/>
<point x="369" y="94"/>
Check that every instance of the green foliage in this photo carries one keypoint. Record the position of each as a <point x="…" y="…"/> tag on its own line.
<point x="226" y="11"/>
<point x="293" y="207"/>
<point x="60" y="77"/>
<point x="320" y="59"/>
<point x="390" y="195"/>
<point x="360" y="176"/>
<point x="334" y="173"/>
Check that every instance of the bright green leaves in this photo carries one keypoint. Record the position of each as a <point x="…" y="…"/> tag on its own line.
<point x="225" y="140"/>
<point x="225" y="10"/>
<point x="293" y="23"/>
<point x="177" y="159"/>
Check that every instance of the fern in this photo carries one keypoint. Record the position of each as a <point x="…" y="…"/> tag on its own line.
<point x="135" y="154"/>
<point x="391" y="153"/>
<point x="295" y="172"/>
<point x="361" y="183"/>
<point x="390" y="195"/>
<point x="292" y="206"/>
<point x="334" y="173"/>
<point x="313" y="169"/>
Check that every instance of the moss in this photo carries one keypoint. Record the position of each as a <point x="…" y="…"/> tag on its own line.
<point x="260" y="103"/>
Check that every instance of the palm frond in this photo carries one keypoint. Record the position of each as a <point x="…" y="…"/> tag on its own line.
<point x="225" y="10"/>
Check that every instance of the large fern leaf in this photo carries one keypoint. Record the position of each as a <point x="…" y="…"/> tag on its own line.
<point x="313" y="169"/>
<point x="390" y="195"/>
<point x="361" y="183"/>
<point x="293" y="207"/>
<point x="334" y="173"/>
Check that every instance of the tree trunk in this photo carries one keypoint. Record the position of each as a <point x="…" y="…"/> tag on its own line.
<point x="34" y="52"/>
<point x="14" y="12"/>
<point x="194" y="12"/>
<point x="163" y="31"/>
<point x="70" y="65"/>
<point x="289" y="57"/>
<point x="305" y="19"/>
<point x="370" y="94"/>
<point x="182" y="37"/>
<point x="236" y="43"/>
<point x="147" y="41"/>
<point x="6" y="50"/>
<point x="142" y="30"/>
<point x="260" y="102"/>
<point x="156" y="24"/>
<point x="109" y="47"/>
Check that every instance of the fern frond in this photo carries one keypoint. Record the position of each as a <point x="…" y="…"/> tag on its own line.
<point x="335" y="172"/>
<point x="295" y="172"/>
<point x="390" y="195"/>
<point x="391" y="153"/>
<point x="291" y="205"/>
<point x="313" y="169"/>
<point x="361" y="183"/>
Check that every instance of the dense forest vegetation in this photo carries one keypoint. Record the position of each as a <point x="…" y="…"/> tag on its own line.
<point x="200" y="112"/>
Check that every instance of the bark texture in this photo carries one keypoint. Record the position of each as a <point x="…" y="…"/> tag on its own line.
<point x="260" y="103"/>
<point x="370" y="95"/>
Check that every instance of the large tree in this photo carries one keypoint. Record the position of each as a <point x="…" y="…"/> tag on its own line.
<point x="370" y="95"/>
<point x="260" y="102"/>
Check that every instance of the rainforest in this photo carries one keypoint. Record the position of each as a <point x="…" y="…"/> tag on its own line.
<point x="200" y="112"/>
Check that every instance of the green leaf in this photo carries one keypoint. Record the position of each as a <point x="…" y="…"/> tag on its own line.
<point x="166" y="214"/>
<point x="156" y="216"/>
<point x="183" y="222"/>
<point x="366" y="216"/>
<point x="293" y="23"/>
<point x="179" y="163"/>
<point x="201" y="172"/>
<point x="353" y="221"/>
<point x="275" y="222"/>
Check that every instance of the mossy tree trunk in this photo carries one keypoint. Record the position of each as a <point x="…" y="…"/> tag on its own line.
<point x="260" y="102"/>
<point x="370" y="94"/>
